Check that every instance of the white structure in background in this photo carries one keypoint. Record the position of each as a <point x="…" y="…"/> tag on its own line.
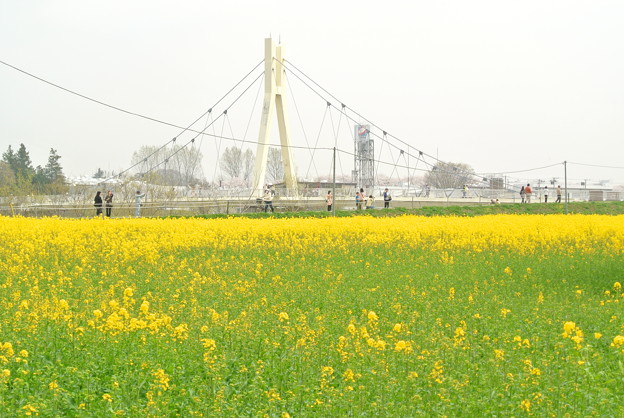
<point x="274" y="102"/>
<point x="364" y="158"/>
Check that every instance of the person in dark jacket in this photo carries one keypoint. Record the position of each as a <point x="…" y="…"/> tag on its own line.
<point x="97" y="202"/>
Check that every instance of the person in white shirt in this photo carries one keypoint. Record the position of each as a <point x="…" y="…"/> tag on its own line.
<point x="137" y="203"/>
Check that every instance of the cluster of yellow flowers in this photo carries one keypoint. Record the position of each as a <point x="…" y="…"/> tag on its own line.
<point x="321" y="316"/>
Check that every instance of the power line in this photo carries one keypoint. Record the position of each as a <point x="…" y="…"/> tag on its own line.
<point x="597" y="166"/>
<point x="353" y="110"/>
<point x="116" y="107"/>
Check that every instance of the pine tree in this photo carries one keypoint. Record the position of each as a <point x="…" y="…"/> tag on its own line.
<point x="10" y="158"/>
<point x="24" y="170"/>
<point x="53" y="170"/>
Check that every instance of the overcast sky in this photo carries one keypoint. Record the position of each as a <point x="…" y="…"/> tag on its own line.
<point x="504" y="86"/>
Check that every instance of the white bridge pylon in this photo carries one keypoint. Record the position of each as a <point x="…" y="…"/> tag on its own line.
<point x="274" y="102"/>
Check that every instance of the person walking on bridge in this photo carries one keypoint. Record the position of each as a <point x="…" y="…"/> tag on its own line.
<point x="137" y="203"/>
<point x="267" y="198"/>
<point x="528" y="192"/>
<point x="109" y="203"/>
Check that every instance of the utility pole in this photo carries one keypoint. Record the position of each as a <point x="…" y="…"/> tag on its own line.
<point x="565" y="177"/>
<point x="334" y="186"/>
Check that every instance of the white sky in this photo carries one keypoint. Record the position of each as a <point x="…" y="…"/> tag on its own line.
<point x="503" y="86"/>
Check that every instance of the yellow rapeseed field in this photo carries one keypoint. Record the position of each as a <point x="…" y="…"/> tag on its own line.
<point x="494" y="315"/>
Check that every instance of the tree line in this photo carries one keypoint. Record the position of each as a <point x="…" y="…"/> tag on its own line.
<point x="18" y="176"/>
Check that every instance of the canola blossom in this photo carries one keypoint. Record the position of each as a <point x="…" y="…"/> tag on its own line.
<point x="495" y="315"/>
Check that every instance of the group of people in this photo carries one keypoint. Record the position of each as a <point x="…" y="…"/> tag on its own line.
<point x="526" y="192"/>
<point x="107" y="202"/>
<point x="97" y="202"/>
<point x="369" y="202"/>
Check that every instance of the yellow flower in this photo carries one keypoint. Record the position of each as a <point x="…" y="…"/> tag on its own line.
<point x="53" y="385"/>
<point x="568" y="328"/>
<point x="161" y="379"/>
<point x="618" y="341"/>
<point x="525" y="405"/>
<point x="209" y="343"/>
<point x="283" y="316"/>
<point x="597" y="335"/>
<point x="397" y="328"/>
<point x="372" y="316"/>
<point x="348" y="375"/>
<point x="128" y="292"/>
<point x="107" y="397"/>
<point x="327" y="370"/>
<point x="400" y="346"/>
<point x="29" y="410"/>
<point x="540" y="298"/>
<point x="617" y="286"/>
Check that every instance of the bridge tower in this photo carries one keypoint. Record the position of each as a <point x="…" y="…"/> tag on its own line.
<point x="274" y="102"/>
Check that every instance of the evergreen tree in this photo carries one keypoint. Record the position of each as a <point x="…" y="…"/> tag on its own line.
<point x="10" y="158"/>
<point x="24" y="170"/>
<point x="53" y="170"/>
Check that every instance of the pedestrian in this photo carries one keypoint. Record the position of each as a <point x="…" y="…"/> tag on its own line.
<point x="97" y="202"/>
<point x="359" y="199"/>
<point x="267" y="198"/>
<point x="465" y="191"/>
<point x="387" y="199"/>
<point x="558" y="195"/>
<point x="137" y="203"/>
<point x="545" y="193"/>
<point x="522" y="194"/>
<point x="370" y="202"/>
<point x="528" y="192"/>
<point x="329" y="200"/>
<point x="109" y="203"/>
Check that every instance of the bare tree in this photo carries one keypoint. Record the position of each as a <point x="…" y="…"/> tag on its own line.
<point x="187" y="161"/>
<point x="275" y="166"/>
<point x="248" y="166"/>
<point x="175" y="165"/>
<point x="447" y="175"/>
<point x="232" y="162"/>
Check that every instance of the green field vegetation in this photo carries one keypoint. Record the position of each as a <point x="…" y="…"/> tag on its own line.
<point x="287" y="320"/>
<point x="583" y="208"/>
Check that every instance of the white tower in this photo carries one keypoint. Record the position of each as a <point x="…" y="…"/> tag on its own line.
<point x="274" y="102"/>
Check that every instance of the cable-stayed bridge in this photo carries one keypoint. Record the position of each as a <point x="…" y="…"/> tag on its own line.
<point x="278" y="125"/>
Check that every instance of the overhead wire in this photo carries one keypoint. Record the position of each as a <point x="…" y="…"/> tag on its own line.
<point x="305" y="135"/>
<point x="342" y="103"/>
<point x="214" y="120"/>
<point x="383" y="138"/>
<point x="286" y="63"/>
